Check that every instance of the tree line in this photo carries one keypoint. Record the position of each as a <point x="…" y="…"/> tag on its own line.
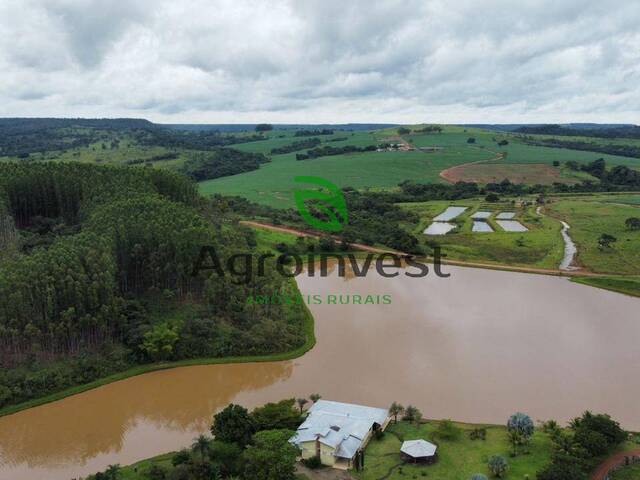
<point x="299" y="145"/>
<point x="221" y="162"/>
<point x="328" y="150"/>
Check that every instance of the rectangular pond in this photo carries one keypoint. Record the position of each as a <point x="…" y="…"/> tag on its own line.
<point x="512" y="226"/>
<point x="439" y="228"/>
<point x="449" y="214"/>
<point x="481" y="215"/>
<point x="481" y="227"/>
<point x="505" y="215"/>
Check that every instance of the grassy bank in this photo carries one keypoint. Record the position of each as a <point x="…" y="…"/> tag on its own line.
<point x="626" y="285"/>
<point x="310" y="341"/>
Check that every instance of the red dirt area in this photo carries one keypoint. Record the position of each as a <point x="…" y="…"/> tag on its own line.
<point x="530" y="173"/>
<point x="602" y="472"/>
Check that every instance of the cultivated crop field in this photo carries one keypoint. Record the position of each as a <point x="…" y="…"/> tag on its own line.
<point x="528" y="173"/>
<point x="273" y="183"/>
<point x="487" y="161"/>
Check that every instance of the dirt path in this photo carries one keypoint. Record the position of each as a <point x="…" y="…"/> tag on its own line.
<point x="367" y="248"/>
<point x="452" y="174"/>
<point x="610" y="463"/>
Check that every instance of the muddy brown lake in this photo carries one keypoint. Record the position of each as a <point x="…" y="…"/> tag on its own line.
<point x="475" y="347"/>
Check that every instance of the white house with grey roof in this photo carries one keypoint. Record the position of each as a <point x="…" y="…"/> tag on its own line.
<point x="336" y="431"/>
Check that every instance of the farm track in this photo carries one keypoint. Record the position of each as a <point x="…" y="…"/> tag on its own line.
<point x="459" y="263"/>
<point x="602" y="472"/>
<point x="451" y="176"/>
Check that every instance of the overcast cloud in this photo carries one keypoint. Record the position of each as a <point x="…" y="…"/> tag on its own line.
<point x="327" y="61"/>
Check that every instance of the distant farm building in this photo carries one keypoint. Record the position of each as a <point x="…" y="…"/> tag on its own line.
<point x="337" y="432"/>
<point x="418" y="451"/>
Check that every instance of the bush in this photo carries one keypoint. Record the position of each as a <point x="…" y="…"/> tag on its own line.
<point x="447" y="430"/>
<point x="478" y="434"/>
<point x="313" y="463"/>
<point x="564" y="470"/>
<point x="498" y="465"/>
<point x="492" y="197"/>
<point x="181" y="457"/>
<point x="156" y="472"/>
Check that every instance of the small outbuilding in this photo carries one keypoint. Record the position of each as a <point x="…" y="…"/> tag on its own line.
<point x="418" y="451"/>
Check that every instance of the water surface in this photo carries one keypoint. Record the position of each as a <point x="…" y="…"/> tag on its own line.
<point x="512" y="226"/>
<point x="476" y="346"/>
<point x="439" y="228"/>
<point x="482" y="227"/>
<point x="570" y="249"/>
<point x="449" y="214"/>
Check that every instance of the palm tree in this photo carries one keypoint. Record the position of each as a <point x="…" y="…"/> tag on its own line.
<point x="314" y="397"/>
<point x="113" y="472"/>
<point x="301" y="403"/>
<point x="396" y="409"/>
<point x="201" y="444"/>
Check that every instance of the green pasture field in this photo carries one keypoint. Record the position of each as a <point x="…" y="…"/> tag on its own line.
<point x="540" y="247"/>
<point x="590" y="217"/>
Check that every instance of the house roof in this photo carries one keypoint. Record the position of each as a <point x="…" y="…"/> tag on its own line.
<point x="418" y="448"/>
<point x="342" y="426"/>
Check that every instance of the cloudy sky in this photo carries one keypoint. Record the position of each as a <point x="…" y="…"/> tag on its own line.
<point x="237" y="61"/>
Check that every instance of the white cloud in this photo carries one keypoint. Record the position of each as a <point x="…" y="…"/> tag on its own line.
<point x="322" y="61"/>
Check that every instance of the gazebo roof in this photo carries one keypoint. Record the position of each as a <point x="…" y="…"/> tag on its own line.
<point x="418" y="448"/>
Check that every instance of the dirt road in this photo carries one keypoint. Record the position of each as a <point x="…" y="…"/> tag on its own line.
<point x="610" y="463"/>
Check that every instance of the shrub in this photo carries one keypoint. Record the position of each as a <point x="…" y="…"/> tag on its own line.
<point x="181" y="457"/>
<point x="313" y="463"/>
<point x="156" y="472"/>
<point x="447" y="430"/>
<point x="561" y="471"/>
<point x="498" y="465"/>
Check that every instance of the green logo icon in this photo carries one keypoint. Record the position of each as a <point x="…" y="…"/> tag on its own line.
<point x="329" y="203"/>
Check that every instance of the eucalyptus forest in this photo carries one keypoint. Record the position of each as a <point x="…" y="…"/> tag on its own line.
<point x="102" y="280"/>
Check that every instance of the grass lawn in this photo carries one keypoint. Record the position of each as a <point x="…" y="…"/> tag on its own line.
<point x="541" y="246"/>
<point x="591" y="217"/>
<point x="457" y="460"/>
<point x="627" y="473"/>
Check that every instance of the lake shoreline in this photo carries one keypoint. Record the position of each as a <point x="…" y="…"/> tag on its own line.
<point x="310" y="341"/>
